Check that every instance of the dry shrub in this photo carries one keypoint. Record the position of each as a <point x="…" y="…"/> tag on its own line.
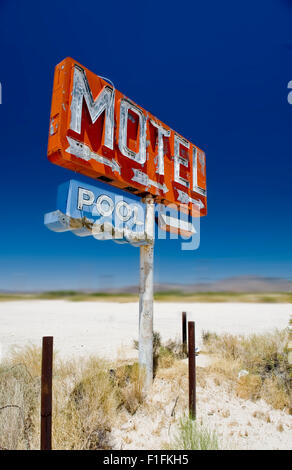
<point x="166" y="354"/>
<point x="29" y="357"/>
<point x="274" y="393"/>
<point x="249" y="387"/>
<point x="19" y="392"/>
<point x="208" y="336"/>
<point x="86" y="420"/>
<point x="264" y="356"/>
<point x="84" y="415"/>
<point x="87" y="398"/>
<point x="225" y="345"/>
<point x="176" y="348"/>
<point x="130" y="382"/>
<point x="224" y="369"/>
<point x="258" y="353"/>
<point x="165" y="358"/>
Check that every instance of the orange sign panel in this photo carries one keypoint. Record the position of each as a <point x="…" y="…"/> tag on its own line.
<point x="99" y="132"/>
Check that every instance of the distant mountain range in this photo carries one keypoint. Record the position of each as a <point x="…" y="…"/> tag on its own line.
<point x="232" y="284"/>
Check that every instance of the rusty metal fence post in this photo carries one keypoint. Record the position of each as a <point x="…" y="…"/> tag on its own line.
<point x="46" y="393"/>
<point x="184" y="332"/>
<point x="192" y="370"/>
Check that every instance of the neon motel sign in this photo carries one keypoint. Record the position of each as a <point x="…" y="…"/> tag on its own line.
<point x="99" y="132"/>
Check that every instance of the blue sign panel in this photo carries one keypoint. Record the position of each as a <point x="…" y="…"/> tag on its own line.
<point x="86" y="210"/>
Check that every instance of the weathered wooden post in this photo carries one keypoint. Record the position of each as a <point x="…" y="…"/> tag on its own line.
<point x="192" y="370"/>
<point x="184" y="332"/>
<point x="146" y="295"/>
<point x="46" y="393"/>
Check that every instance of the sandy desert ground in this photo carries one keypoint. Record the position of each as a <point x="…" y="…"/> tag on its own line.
<point x="239" y="424"/>
<point x="108" y="330"/>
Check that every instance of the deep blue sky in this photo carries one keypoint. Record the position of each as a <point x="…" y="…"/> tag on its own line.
<point x="217" y="72"/>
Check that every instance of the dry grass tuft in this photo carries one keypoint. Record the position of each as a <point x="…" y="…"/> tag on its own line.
<point x="223" y="372"/>
<point x="88" y="398"/>
<point x="84" y="406"/>
<point x="165" y="358"/>
<point x="274" y="393"/>
<point x="280" y="427"/>
<point x="249" y="387"/>
<point x="29" y="357"/>
<point x="130" y="380"/>
<point x="192" y="435"/>
<point x="264" y="356"/>
<point x="19" y="400"/>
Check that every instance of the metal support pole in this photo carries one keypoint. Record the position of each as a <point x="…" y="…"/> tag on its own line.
<point x="146" y="296"/>
<point x="184" y="332"/>
<point x="46" y="393"/>
<point x="192" y="370"/>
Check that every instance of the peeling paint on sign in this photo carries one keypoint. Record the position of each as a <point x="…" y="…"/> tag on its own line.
<point x="97" y="131"/>
<point x="88" y="210"/>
